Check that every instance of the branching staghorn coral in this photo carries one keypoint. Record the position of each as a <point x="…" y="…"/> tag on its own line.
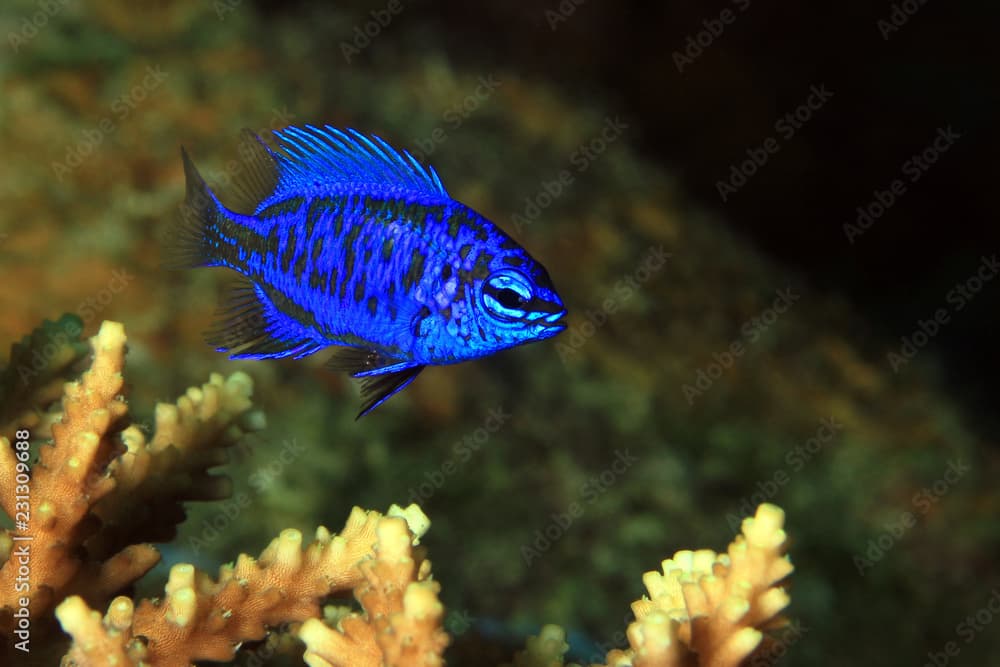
<point x="401" y="624"/>
<point x="100" y="490"/>
<point x="81" y="510"/>
<point x="32" y="380"/>
<point x="704" y="608"/>
<point x="204" y="619"/>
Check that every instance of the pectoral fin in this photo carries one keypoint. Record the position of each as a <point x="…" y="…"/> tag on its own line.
<point x="376" y="389"/>
<point x="380" y="376"/>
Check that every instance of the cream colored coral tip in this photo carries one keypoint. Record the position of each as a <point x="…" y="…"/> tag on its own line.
<point x="291" y="535"/>
<point x="237" y="379"/>
<point x="121" y="604"/>
<point x="416" y="520"/>
<point x="742" y="643"/>
<point x="420" y="601"/>
<point x="773" y="601"/>
<point x="111" y="332"/>
<point x="313" y="631"/>
<point x="770" y="516"/>
<point x="119" y="614"/>
<point x="181" y="576"/>
<point x="552" y="633"/>
<point x="735" y="608"/>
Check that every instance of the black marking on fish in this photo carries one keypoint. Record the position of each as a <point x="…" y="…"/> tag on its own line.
<point x="514" y="260"/>
<point x="271" y="244"/>
<point x="338" y="222"/>
<point x="423" y="314"/>
<point x="333" y="281"/>
<point x="288" y="206"/>
<point x="454" y="226"/>
<point x="253" y="243"/>
<point x="464" y="251"/>
<point x="446" y="272"/>
<point x="317" y="250"/>
<point x="352" y="236"/>
<point x="387" y="247"/>
<point x="289" y="252"/>
<point x="359" y="289"/>
<point x="372" y="305"/>
<point x="416" y="270"/>
<point x="289" y="307"/>
<point x="481" y="268"/>
<point x="317" y="208"/>
<point x="300" y="265"/>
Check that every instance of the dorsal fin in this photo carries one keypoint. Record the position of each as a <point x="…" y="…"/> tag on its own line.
<point x="259" y="181"/>
<point x="310" y="156"/>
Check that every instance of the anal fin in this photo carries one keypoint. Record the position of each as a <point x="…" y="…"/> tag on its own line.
<point x="381" y="376"/>
<point x="249" y="326"/>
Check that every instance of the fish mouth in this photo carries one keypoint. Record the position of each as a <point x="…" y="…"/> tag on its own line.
<point x="554" y="320"/>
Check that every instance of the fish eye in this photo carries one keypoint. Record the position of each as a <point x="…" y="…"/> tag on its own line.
<point x="506" y="295"/>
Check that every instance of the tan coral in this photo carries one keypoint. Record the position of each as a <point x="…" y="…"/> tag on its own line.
<point x="95" y="486"/>
<point x="704" y="609"/>
<point x="720" y="603"/>
<point x="401" y="623"/>
<point x="67" y="481"/>
<point x="204" y="619"/>
<point x="32" y="382"/>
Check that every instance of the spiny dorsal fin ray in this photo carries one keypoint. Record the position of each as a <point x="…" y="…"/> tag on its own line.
<point x="259" y="180"/>
<point x="312" y="155"/>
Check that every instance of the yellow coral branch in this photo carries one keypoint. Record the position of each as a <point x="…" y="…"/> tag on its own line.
<point x="401" y="624"/>
<point x="704" y="609"/>
<point x="69" y="478"/>
<point x="98" y="492"/>
<point x="204" y="619"/>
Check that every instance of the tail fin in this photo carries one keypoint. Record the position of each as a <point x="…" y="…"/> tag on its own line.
<point x="192" y="244"/>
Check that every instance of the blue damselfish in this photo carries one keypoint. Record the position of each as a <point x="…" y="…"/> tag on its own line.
<point x="342" y="240"/>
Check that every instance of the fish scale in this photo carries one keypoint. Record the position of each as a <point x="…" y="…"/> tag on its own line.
<point x="343" y="242"/>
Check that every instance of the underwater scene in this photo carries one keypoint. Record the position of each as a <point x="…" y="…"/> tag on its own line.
<point x="561" y="332"/>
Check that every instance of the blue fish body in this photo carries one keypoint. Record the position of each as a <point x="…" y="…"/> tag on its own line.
<point x="340" y="240"/>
